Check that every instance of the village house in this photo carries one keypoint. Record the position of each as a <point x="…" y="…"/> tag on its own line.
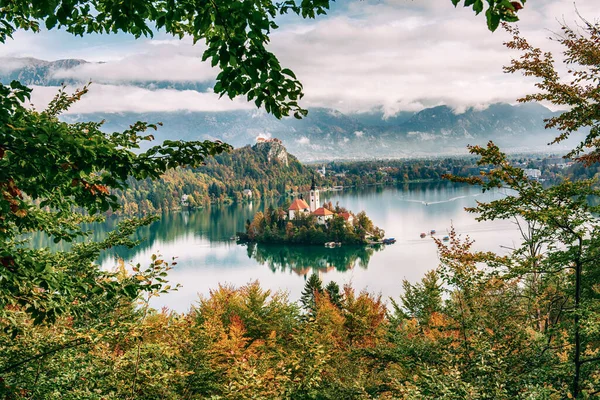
<point x="532" y="173"/>
<point x="185" y="200"/>
<point x="349" y="218"/>
<point x="323" y="215"/>
<point x="298" y="207"/>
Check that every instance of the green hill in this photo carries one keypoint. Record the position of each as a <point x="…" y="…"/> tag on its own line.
<point x="263" y="170"/>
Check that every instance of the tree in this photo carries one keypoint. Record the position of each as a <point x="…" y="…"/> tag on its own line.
<point x="47" y="169"/>
<point x="577" y="90"/>
<point x="335" y="295"/>
<point x="569" y="231"/>
<point x="567" y="214"/>
<point x="312" y="289"/>
<point x="420" y="300"/>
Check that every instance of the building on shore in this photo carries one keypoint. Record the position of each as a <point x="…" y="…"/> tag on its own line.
<point x="298" y="207"/>
<point x="349" y="218"/>
<point x="323" y="215"/>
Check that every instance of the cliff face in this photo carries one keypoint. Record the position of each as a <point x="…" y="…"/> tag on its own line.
<point x="274" y="150"/>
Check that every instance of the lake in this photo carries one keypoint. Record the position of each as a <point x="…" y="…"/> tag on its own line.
<point x="207" y="257"/>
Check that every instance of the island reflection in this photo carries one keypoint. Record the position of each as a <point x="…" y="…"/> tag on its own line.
<point x="303" y="260"/>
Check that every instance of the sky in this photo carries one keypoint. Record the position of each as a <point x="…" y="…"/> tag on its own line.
<point x="389" y="55"/>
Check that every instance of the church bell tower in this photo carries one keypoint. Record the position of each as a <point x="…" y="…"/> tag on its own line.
<point x="314" y="196"/>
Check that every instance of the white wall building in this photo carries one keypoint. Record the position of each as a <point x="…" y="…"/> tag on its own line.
<point x="298" y="206"/>
<point x="323" y="215"/>
<point x="533" y="173"/>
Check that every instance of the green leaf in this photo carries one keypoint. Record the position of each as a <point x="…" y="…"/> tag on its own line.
<point x="493" y="19"/>
<point x="51" y="22"/>
<point x="288" y="72"/>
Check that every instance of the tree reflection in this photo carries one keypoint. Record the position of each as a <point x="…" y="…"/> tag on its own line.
<point x="216" y="224"/>
<point x="302" y="260"/>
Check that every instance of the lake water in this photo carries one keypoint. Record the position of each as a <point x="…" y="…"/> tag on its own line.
<point x="208" y="257"/>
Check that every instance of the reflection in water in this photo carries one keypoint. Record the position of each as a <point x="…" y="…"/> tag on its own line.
<point x="303" y="260"/>
<point x="208" y="257"/>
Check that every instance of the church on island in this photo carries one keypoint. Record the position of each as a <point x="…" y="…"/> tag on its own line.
<point x="299" y="206"/>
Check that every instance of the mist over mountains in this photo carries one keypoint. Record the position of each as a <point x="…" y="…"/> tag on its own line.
<point x="324" y="134"/>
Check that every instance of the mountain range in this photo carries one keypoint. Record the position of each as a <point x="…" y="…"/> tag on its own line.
<point x="325" y="133"/>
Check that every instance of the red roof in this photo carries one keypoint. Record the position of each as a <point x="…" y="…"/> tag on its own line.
<point x="345" y="215"/>
<point x="298" y="205"/>
<point x="321" y="212"/>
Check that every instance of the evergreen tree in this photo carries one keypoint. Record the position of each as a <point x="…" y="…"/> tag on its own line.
<point x="312" y="288"/>
<point x="420" y="300"/>
<point x="335" y="296"/>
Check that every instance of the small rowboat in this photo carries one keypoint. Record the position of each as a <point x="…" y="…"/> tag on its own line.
<point x="423" y="234"/>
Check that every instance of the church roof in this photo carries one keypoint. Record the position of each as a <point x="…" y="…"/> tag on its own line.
<point x="322" y="212"/>
<point x="298" y="205"/>
<point x="345" y="215"/>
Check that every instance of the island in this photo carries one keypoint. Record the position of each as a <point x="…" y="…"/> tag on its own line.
<point x="311" y="223"/>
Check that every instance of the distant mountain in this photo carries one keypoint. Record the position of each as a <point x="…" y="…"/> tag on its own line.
<point x="31" y="71"/>
<point x="324" y="133"/>
<point x="327" y="134"/>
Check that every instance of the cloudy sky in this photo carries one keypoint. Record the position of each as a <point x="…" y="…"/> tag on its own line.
<point x="394" y="55"/>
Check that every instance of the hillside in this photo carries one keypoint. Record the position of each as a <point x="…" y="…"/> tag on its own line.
<point x="325" y="134"/>
<point x="266" y="169"/>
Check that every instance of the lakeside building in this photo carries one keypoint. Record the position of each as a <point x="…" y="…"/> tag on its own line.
<point x="299" y="206"/>
<point x="349" y="218"/>
<point x="323" y="215"/>
<point x="185" y="200"/>
<point x="533" y="173"/>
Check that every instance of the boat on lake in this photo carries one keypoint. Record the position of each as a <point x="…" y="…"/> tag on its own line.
<point x="423" y="234"/>
<point x="446" y="238"/>
<point x="389" y="241"/>
<point x="432" y="232"/>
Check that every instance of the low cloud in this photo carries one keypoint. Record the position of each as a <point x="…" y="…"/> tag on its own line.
<point x="303" y="141"/>
<point x="359" y="133"/>
<point x="117" y="99"/>
<point x="144" y="67"/>
<point x="264" y="135"/>
<point x="10" y="64"/>
<point x="405" y="56"/>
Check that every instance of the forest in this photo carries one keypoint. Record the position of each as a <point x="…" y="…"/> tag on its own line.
<point x="522" y="324"/>
<point x="223" y="179"/>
